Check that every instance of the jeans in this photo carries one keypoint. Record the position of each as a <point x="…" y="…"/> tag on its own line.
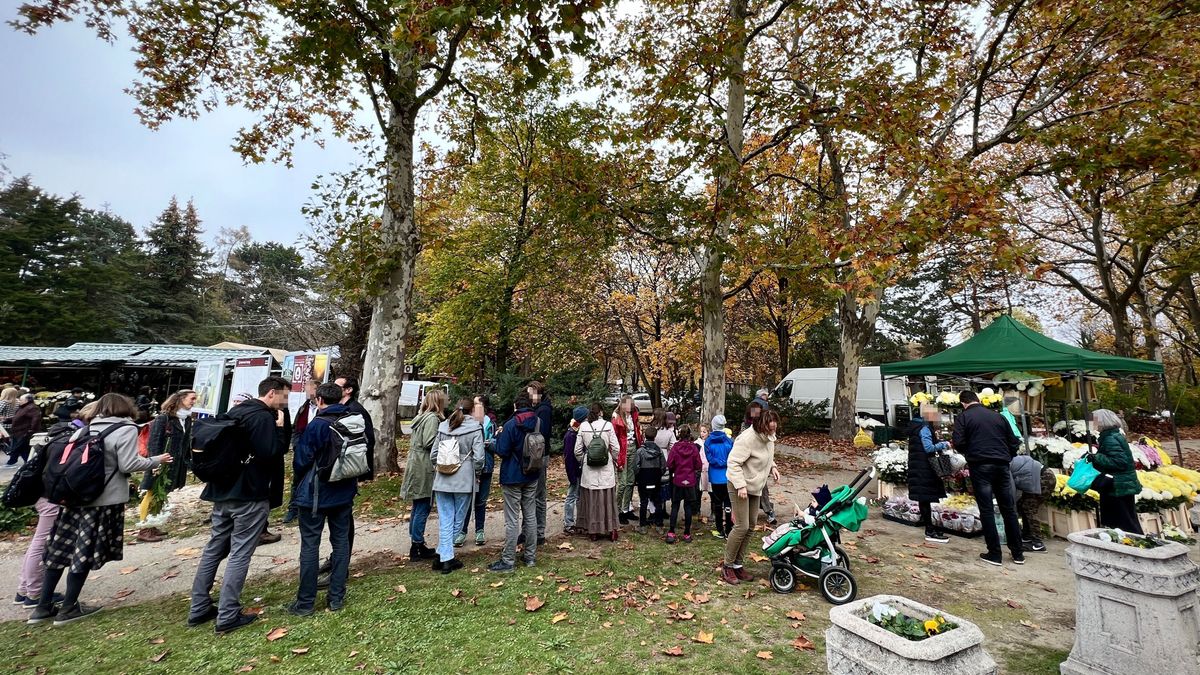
<point x="625" y="480"/>
<point x="19" y="447"/>
<point x="540" y="505"/>
<point x="745" y="512"/>
<point x="520" y="516"/>
<point x="235" y="529"/>
<point x="995" y="480"/>
<point x="648" y="496"/>
<point x="416" y="525"/>
<point x="481" y="497"/>
<point x="453" y="510"/>
<point x="569" y="505"/>
<point x="722" y="508"/>
<point x="311" y="527"/>
<point x="29" y="583"/>
<point x="689" y="507"/>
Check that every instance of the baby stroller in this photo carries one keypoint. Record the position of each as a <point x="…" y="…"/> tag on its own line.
<point x="810" y="545"/>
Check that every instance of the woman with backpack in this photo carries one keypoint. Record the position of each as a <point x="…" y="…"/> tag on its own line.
<point x="89" y="535"/>
<point x="418" y="472"/>
<point x="597" y="449"/>
<point x="170" y="433"/>
<point x="457" y="457"/>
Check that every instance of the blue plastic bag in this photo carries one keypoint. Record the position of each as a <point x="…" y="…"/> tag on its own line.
<point x="1083" y="475"/>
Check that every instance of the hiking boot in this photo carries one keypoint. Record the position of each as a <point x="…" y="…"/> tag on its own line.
<point x="74" y="613"/>
<point x="460" y="539"/>
<point x="500" y="566"/>
<point x="334" y="606"/>
<point x="437" y="565"/>
<point x="42" y="615"/>
<point x="241" y="621"/>
<point x="531" y="563"/>
<point x="992" y="559"/>
<point x="209" y="615"/>
<point x="935" y="537"/>
<point x="421" y="552"/>
<point x="451" y="565"/>
<point x="1035" y="546"/>
<point x="296" y="610"/>
<point x="479" y="538"/>
<point x="268" y="537"/>
<point x="729" y="576"/>
<point x="670" y="537"/>
<point x="742" y="574"/>
<point x="150" y="536"/>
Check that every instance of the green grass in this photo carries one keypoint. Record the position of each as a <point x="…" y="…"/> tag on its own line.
<point x="431" y="628"/>
<point x="1034" y="660"/>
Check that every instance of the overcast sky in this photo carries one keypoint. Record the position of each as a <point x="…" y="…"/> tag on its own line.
<point x="66" y="121"/>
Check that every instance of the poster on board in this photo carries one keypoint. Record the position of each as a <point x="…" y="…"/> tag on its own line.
<point x="209" y="380"/>
<point x="247" y="373"/>
<point x="297" y="368"/>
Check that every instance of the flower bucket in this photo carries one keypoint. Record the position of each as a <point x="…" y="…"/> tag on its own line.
<point x="1137" y="610"/>
<point x="855" y="645"/>
<point x="1063" y="523"/>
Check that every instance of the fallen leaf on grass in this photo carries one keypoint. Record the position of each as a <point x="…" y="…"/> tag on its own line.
<point x="353" y="654"/>
<point x="566" y="546"/>
<point x="123" y="593"/>
<point x="684" y="616"/>
<point x="276" y="633"/>
<point x="703" y="638"/>
<point x="607" y="624"/>
<point x="533" y="604"/>
<point x="872" y="559"/>
<point x="113" y="636"/>
<point x="795" y="615"/>
<point x="157" y="641"/>
<point x="358" y="575"/>
<point x="748" y="595"/>
<point x="275" y="659"/>
<point x="160" y="657"/>
<point x="702" y="598"/>
<point x="674" y="651"/>
<point x="765" y="656"/>
<point x="246" y="668"/>
<point x="512" y="622"/>
<point x="1013" y="603"/>
<point x="1029" y="624"/>
<point x="300" y="650"/>
<point x="128" y="570"/>
<point x="400" y="589"/>
<point x="253" y="610"/>
<point x="802" y="643"/>
<point x="922" y="556"/>
<point x="758" y="558"/>
<point x="561" y="616"/>
<point x="456" y="592"/>
<point x="498" y="584"/>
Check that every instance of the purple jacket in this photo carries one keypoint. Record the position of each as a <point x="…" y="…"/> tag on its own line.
<point x="685" y="464"/>
<point x="572" y="464"/>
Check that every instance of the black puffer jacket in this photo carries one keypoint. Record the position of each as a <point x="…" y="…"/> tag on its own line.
<point x="924" y="485"/>
<point x="984" y="437"/>
<point x="267" y="445"/>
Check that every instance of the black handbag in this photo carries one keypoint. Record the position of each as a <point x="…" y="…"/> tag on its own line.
<point x="26" y="485"/>
<point x="940" y="462"/>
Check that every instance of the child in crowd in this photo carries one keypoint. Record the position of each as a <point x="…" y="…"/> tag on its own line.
<point x="649" y="466"/>
<point x="1033" y="481"/>
<point x="685" y="466"/>
<point x="716" y="449"/>
<point x="705" y="486"/>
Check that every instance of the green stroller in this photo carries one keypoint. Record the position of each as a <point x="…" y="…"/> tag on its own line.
<point x="814" y="549"/>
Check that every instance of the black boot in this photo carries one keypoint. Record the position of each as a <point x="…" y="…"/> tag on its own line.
<point x="421" y="552"/>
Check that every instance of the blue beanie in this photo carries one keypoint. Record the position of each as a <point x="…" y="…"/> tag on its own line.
<point x="579" y="414"/>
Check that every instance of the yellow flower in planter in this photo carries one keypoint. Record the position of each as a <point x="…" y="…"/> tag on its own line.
<point x="932" y="626"/>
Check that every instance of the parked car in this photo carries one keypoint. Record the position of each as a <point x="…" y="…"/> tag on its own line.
<point x="641" y="400"/>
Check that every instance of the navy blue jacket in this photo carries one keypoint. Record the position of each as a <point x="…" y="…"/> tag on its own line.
<point x="510" y="446"/>
<point x="313" y="442"/>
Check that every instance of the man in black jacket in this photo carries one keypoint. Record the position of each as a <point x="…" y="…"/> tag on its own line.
<point x="989" y="444"/>
<point x="240" y="509"/>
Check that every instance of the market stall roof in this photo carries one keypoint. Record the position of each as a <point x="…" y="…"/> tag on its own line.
<point x="1008" y="345"/>
<point x="277" y="354"/>
<point x="91" y="354"/>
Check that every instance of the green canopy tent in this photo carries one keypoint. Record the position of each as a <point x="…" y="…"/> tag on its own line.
<point x="1009" y="345"/>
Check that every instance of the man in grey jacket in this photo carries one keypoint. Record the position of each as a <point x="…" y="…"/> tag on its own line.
<point x="240" y="509"/>
<point x="1033" y="481"/>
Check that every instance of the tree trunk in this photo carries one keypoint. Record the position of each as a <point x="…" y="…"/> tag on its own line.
<point x="383" y="367"/>
<point x="712" y="259"/>
<point x="504" y="321"/>
<point x="783" y="331"/>
<point x="857" y="327"/>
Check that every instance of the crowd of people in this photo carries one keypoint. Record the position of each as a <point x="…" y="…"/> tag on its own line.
<point x="454" y="452"/>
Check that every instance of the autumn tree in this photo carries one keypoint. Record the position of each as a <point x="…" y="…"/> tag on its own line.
<point x="307" y="68"/>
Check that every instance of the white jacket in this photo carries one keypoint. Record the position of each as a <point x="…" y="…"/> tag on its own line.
<point x="597" y="477"/>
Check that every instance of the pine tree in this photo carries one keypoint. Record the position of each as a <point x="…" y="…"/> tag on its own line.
<point x="176" y="261"/>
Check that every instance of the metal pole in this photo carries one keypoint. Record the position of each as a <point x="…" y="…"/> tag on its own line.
<point x="887" y="419"/>
<point x="1083" y="397"/>
<point x="25" y="376"/>
<point x="1174" y="427"/>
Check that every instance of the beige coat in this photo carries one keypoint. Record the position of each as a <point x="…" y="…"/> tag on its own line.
<point x="750" y="462"/>
<point x="597" y="477"/>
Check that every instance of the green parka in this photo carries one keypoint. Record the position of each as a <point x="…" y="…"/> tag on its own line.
<point x="1115" y="458"/>
<point x="418" y="472"/>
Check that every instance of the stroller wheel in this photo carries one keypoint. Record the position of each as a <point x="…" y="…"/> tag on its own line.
<point x="837" y="585"/>
<point x="783" y="579"/>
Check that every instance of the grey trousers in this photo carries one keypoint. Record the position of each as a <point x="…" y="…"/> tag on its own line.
<point x="235" y="530"/>
<point x="541" y="505"/>
<point x="520" y="514"/>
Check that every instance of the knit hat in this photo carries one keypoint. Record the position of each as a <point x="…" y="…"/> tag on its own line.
<point x="718" y="422"/>
<point x="579" y="414"/>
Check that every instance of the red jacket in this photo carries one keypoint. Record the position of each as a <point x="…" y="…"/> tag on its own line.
<point x="685" y="464"/>
<point x="622" y="432"/>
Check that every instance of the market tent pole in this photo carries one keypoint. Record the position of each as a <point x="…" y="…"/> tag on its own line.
<point x="1083" y="397"/>
<point x="886" y="408"/>
<point x="25" y="376"/>
<point x="1174" y="427"/>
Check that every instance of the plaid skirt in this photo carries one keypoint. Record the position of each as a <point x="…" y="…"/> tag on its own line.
<point x="86" y="537"/>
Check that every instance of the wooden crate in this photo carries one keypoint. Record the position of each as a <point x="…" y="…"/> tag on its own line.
<point x="1063" y="523"/>
<point x="1179" y="517"/>
<point x="887" y="490"/>
<point x="1152" y="523"/>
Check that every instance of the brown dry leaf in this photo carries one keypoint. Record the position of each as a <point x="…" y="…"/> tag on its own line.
<point x="576" y="589"/>
<point x="275" y="659"/>
<point x="279" y="560"/>
<point x="937" y="579"/>
<point x="758" y="558"/>
<point x="1013" y="603"/>
<point x="353" y="654"/>
<point x="922" y="556"/>
<point x="872" y="559"/>
<point x="246" y="668"/>
<point x="512" y="622"/>
<point x="498" y="584"/>
<point x="561" y="616"/>
<point x="802" y="643"/>
<point x="157" y="641"/>
<point x="674" y="651"/>
<point x="566" y="546"/>
<point x="748" y="595"/>
<point x="160" y="657"/>
<point x="607" y="624"/>
<point x="533" y="604"/>
<point x="703" y="638"/>
<point x="253" y="610"/>
<point x="374" y="529"/>
<point x="796" y="616"/>
<point x="684" y="616"/>
<point x="1029" y="624"/>
<point x="128" y="570"/>
<point x="673" y="606"/>
<point x="702" y="598"/>
<point x="169" y="575"/>
<point x="276" y="633"/>
<point x="123" y="593"/>
<point x="765" y="656"/>
<point x="400" y="589"/>
<point x="358" y="575"/>
<point x="540" y="577"/>
<point x="456" y="592"/>
<point x="113" y="636"/>
<point x="300" y="650"/>
<point x="189" y="551"/>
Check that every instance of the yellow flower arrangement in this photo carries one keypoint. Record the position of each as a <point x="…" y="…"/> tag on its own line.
<point x="920" y="398"/>
<point x="1189" y="476"/>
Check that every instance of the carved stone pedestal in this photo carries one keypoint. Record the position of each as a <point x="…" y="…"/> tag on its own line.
<point x="1137" y="610"/>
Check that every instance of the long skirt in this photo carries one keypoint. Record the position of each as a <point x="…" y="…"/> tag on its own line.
<point x="86" y="537"/>
<point x="598" y="510"/>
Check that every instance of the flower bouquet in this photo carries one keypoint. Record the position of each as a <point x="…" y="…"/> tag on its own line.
<point x="892" y="620"/>
<point x="948" y="399"/>
<point x="920" y="398"/>
<point x="891" y="464"/>
<point x="1049" y="450"/>
<point x="1120" y="537"/>
<point x="991" y="399"/>
<point x="1172" y="533"/>
<point x="1145" y="457"/>
<point x="1069" y="500"/>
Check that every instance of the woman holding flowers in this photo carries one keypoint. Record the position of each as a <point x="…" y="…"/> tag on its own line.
<point x="1114" y="460"/>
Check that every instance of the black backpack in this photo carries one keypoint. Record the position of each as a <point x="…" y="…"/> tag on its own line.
<point x="219" y="449"/>
<point x="74" y="474"/>
<point x="26" y="486"/>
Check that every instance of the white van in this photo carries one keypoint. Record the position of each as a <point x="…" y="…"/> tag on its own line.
<point x="412" y="392"/>
<point x="813" y="385"/>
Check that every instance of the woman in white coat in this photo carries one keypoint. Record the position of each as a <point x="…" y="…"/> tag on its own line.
<point x="598" y="479"/>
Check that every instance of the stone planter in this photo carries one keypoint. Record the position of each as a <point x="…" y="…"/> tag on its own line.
<point x="1137" y="610"/>
<point x="1063" y="523"/>
<point x="856" y="646"/>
